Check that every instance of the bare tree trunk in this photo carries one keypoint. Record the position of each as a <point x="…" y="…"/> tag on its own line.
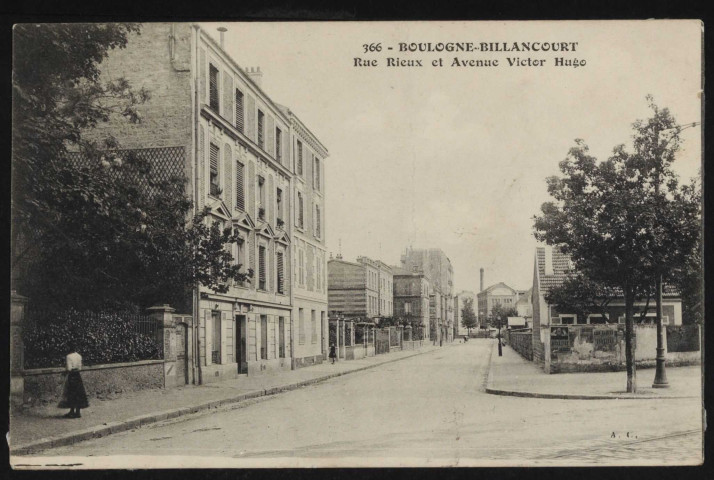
<point x="630" y="343"/>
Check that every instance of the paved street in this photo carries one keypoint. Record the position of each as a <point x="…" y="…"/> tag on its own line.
<point x="425" y="410"/>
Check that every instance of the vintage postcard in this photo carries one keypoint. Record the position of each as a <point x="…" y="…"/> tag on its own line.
<point x="357" y="244"/>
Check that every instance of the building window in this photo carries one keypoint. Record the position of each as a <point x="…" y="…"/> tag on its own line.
<point x="317" y="221"/>
<point x="216" y="337"/>
<point x="261" y="129"/>
<point x="215" y="187"/>
<point x="278" y="145"/>
<point x="567" y="319"/>
<point x="317" y="173"/>
<point x="261" y="268"/>
<point x="280" y="278"/>
<point x="261" y="198"/>
<point x="240" y="186"/>
<point x="301" y="214"/>
<point x="264" y="337"/>
<point x="301" y="326"/>
<point x="279" y="210"/>
<point x="240" y="122"/>
<point x="281" y="337"/>
<point x="213" y="88"/>
<point x="313" y="326"/>
<point x="299" y="157"/>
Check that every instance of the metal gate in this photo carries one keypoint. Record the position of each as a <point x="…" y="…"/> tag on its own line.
<point x="381" y="343"/>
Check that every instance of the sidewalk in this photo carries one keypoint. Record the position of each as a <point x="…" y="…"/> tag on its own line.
<point x="513" y="375"/>
<point x="43" y="427"/>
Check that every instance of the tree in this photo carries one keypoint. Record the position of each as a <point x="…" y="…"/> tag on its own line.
<point x="614" y="231"/>
<point x="104" y="229"/>
<point x="468" y="316"/>
<point x="582" y="296"/>
<point x="499" y="315"/>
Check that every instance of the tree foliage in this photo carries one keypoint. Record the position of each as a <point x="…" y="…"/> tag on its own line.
<point x="621" y="220"/>
<point x="498" y="317"/>
<point x="109" y="230"/>
<point x="468" y="316"/>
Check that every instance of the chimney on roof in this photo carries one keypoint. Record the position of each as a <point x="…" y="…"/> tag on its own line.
<point x="481" y="271"/>
<point x="255" y="74"/>
<point x="222" y="30"/>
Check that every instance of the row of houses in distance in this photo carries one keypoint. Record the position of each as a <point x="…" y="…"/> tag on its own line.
<point x="419" y="291"/>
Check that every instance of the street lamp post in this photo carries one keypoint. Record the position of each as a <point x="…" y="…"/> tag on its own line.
<point x="660" y="380"/>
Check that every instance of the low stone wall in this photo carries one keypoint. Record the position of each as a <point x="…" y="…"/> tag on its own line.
<point x="522" y="342"/>
<point x="355" y="352"/>
<point x="310" y="360"/>
<point x="602" y="348"/>
<point x="44" y="385"/>
<point x="412" y="345"/>
<point x="370" y="350"/>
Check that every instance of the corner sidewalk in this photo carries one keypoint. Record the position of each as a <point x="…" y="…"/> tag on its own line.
<point x="513" y="375"/>
<point x="41" y="428"/>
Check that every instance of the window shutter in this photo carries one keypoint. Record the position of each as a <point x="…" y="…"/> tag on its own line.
<point x="250" y="245"/>
<point x="279" y="145"/>
<point x="280" y="277"/>
<point x="317" y="219"/>
<point x="214" y="158"/>
<point x="261" y="129"/>
<point x="261" y="268"/>
<point x="301" y="216"/>
<point x="269" y="285"/>
<point x="213" y="88"/>
<point x="240" y="124"/>
<point x="201" y="169"/>
<point x="240" y="187"/>
<point x="299" y="159"/>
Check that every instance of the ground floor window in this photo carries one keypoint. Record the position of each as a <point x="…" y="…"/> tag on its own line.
<point x="281" y="337"/>
<point x="216" y="337"/>
<point x="264" y="337"/>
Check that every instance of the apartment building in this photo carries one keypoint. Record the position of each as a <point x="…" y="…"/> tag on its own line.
<point x="362" y="289"/>
<point x="238" y="150"/>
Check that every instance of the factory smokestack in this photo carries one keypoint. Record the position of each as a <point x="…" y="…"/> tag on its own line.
<point x="481" y="290"/>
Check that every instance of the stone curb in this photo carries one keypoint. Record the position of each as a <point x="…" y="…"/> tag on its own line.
<point x="564" y="396"/>
<point x="142" y="420"/>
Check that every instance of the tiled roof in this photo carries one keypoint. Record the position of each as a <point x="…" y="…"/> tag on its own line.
<point x="562" y="268"/>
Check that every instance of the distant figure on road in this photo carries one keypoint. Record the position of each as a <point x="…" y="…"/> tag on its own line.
<point x="74" y="396"/>
<point x="333" y="355"/>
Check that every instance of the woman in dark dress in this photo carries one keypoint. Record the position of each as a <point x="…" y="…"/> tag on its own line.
<point x="332" y="353"/>
<point x="74" y="396"/>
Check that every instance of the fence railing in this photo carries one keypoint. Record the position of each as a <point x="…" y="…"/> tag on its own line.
<point x="100" y="337"/>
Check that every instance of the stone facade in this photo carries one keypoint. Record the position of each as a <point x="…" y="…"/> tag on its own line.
<point x="411" y="298"/>
<point x="362" y="289"/>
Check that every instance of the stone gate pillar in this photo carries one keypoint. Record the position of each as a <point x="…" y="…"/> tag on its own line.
<point x="164" y="314"/>
<point x="18" y="309"/>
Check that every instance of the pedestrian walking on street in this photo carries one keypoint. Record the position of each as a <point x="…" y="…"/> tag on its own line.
<point x="333" y="355"/>
<point x="74" y="396"/>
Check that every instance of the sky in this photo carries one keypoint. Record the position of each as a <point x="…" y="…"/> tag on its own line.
<point x="457" y="157"/>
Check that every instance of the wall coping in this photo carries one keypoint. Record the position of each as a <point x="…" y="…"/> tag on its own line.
<point x="45" y="371"/>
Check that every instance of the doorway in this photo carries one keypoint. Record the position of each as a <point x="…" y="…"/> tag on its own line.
<point x="241" y="344"/>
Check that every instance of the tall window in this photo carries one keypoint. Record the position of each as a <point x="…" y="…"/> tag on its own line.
<point x="216" y="337"/>
<point x="215" y="185"/>
<point x="281" y="337"/>
<point x="317" y="221"/>
<point x="299" y="157"/>
<point x="313" y="326"/>
<point x="213" y="88"/>
<point x="301" y="214"/>
<point x="264" y="337"/>
<point x="261" y="129"/>
<point x="240" y="122"/>
<point x="278" y="145"/>
<point x="261" y="198"/>
<point x="279" y="204"/>
<point x="261" y="268"/>
<point x="301" y="326"/>
<point x="317" y="173"/>
<point x="280" y="278"/>
<point x="240" y="186"/>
